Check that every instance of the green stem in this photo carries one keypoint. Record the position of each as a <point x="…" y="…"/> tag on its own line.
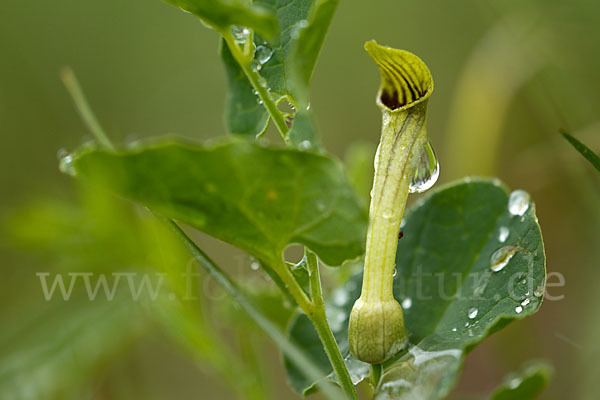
<point x="82" y="106"/>
<point x="292" y="286"/>
<point x="245" y="62"/>
<point x="319" y="320"/>
<point x="295" y="354"/>
<point x="315" y="309"/>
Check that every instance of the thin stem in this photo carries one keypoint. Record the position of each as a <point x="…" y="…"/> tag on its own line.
<point x="293" y="287"/>
<point x="332" y="350"/>
<point x="70" y="81"/>
<point x="316" y="294"/>
<point x="319" y="320"/>
<point x="295" y="354"/>
<point x="245" y="62"/>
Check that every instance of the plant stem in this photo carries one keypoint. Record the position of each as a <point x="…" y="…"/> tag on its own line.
<point x="245" y="62"/>
<point x="293" y="287"/>
<point x="315" y="309"/>
<point x="319" y="320"/>
<point x="82" y="106"/>
<point x="314" y="277"/>
<point x="295" y="354"/>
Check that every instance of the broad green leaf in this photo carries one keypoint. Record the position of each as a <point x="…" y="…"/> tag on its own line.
<point x="526" y="384"/>
<point x="222" y="14"/>
<point x="285" y="62"/>
<point x="257" y="198"/>
<point x="452" y="299"/>
<point x="583" y="150"/>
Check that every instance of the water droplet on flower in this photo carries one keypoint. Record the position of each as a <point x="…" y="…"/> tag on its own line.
<point x="501" y="257"/>
<point x="518" y="309"/>
<point x="65" y="164"/>
<point x="518" y="202"/>
<point x="406" y="303"/>
<point x="254" y="266"/>
<point x="427" y="172"/>
<point x="525" y="302"/>
<point x="503" y="234"/>
<point x="472" y="312"/>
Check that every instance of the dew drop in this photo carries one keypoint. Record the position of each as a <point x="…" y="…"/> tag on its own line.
<point x="472" y="312"/>
<point x="308" y="107"/>
<point x="395" y="272"/>
<point x="539" y="292"/>
<point x="525" y="302"/>
<point x="503" y="234"/>
<point x="304" y="145"/>
<point x="518" y="202"/>
<point x="501" y="257"/>
<point x="427" y="172"/>
<point x="65" y="164"/>
<point x="406" y="303"/>
<point x="240" y="34"/>
<point x="453" y="329"/>
<point x="262" y="54"/>
<point x="518" y="309"/>
<point x="254" y="266"/>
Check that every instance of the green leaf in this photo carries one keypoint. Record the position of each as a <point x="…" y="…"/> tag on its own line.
<point x="526" y="384"/>
<point x="222" y="14"/>
<point x="583" y="150"/>
<point x="256" y="198"/>
<point x="444" y="274"/>
<point x="285" y="62"/>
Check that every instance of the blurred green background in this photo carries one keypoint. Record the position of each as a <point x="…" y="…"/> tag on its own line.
<point x="508" y="75"/>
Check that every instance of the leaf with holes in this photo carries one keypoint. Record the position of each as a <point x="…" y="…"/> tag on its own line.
<point x="471" y="260"/>
<point x="257" y="198"/>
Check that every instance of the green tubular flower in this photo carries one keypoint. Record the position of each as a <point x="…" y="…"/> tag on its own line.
<point x="376" y="330"/>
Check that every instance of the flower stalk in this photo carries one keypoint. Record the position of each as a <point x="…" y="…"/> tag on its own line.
<point x="376" y="330"/>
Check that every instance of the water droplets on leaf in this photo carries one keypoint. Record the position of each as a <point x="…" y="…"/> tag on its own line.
<point x="472" y="313"/>
<point x="501" y="257"/>
<point x="305" y="145"/>
<point x="262" y="55"/>
<point x="65" y="163"/>
<point x="427" y="172"/>
<point x="539" y="292"/>
<point x="254" y="265"/>
<point x="525" y="302"/>
<point x="240" y="34"/>
<point x="518" y="309"/>
<point x="518" y="202"/>
<point x="406" y="303"/>
<point x="503" y="234"/>
<point x="395" y="272"/>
